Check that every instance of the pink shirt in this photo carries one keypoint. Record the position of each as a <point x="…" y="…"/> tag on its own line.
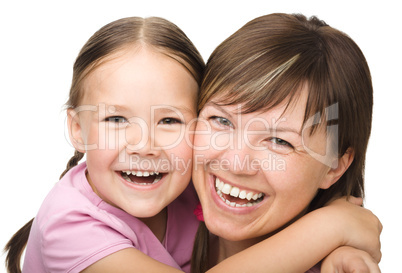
<point x="75" y="228"/>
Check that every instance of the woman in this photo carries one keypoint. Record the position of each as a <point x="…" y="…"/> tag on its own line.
<point x="284" y="122"/>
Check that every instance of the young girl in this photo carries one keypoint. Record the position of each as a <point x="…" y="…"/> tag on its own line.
<point x="133" y="96"/>
<point x="285" y="118"/>
<point x="129" y="207"/>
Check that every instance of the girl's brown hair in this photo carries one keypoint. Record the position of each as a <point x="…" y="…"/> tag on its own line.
<point x="156" y="33"/>
<point x="268" y="61"/>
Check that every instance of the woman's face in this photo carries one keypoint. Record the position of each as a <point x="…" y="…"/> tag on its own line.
<point x="252" y="172"/>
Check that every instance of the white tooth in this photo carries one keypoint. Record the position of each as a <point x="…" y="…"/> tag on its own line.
<point x="146" y="174"/>
<point x="127" y="172"/>
<point x="127" y="178"/>
<point x="133" y="172"/>
<point x="139" y="173"/>
<point x="249" y="196"/>
<point x="151" y="173"/>
<point x="235" y="192"/>
<point x="260" y="195"/>
<point x="227" y="202"/>
<point x="157" y="173"/>
<point x="255" y="196"/>
<point x="217" y="182"/>
<point x="232" y="204"/>
<point x="249" y="204"/>
<point x="237" y="205"/>
<point x="242" y="194"/>
<point x="226" y="189"/>
<point x="220" y="187"/>
<point x="156" y="179"/>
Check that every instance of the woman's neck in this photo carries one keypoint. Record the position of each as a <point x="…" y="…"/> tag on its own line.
<point x="225" y="248"/>
<point x="228" y="248"/>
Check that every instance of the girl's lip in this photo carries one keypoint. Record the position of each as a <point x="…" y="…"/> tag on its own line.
<point x="138" y="187"/>
<point x="225" y="207"/>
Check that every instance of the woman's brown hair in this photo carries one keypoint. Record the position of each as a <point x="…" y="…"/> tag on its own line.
<point x="268" y="61"/>
<point x="156" y="33"/>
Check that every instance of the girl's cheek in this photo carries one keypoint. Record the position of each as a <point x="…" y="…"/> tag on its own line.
<point x="170" y="140"/>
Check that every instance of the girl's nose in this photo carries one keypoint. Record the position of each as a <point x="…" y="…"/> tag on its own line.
<point x="140" y="141"/>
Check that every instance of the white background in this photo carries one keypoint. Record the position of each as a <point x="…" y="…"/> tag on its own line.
<point x="40" y="40"/>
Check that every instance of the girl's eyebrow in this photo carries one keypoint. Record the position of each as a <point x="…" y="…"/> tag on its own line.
<point x="112" y="108"/>
<point x="169" y="109"/>
<point x="159" y="108"/>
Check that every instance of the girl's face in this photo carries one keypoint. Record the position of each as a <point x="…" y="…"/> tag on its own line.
<point x="133" y="124"/>
<point x="252" y="172"/>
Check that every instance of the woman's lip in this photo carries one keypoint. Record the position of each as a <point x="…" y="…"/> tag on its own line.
<point x="138" y="187"/>
<point x="225" y="207"/>
<point x="234" y="185"/>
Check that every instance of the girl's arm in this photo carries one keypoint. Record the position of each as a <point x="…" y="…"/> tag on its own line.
<point x="129" y="260"/>
<point x="304" y="243"/>
<point x="347" y="259"/>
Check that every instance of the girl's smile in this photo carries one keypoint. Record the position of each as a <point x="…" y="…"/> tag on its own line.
<point x="142" y="177"/>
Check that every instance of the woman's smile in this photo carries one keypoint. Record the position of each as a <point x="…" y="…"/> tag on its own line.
<point x="234" y="196"/>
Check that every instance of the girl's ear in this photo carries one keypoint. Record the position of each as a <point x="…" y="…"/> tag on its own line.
<point x="340" y="167"/>
<point x="74" y="130"/>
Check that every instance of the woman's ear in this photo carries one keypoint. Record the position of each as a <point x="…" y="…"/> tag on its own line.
<point x="339" y="168"/>
<point x="74" y="130"/>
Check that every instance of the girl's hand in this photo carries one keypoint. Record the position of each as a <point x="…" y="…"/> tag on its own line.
<point x="349" y="260"/>
<point x="361" y="229"/>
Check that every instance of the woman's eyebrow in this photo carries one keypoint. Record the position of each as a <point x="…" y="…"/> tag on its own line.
<point x="218" y="107"/>
<point x="272" y="128"/>
<point x="286" y="129"/>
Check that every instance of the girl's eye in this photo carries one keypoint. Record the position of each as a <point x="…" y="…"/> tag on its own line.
<point x="116" y="119"/>
<point x="169" y="121"/>
<point x="221" y="121"/>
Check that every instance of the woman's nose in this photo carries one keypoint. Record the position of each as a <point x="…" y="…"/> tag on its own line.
<point x="242" y="158"/>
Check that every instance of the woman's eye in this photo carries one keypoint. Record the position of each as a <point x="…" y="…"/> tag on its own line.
<point x="280" y="145"/>
<point x="116" y="119"/>
<point x="222" y="121"/>
<point x="280" y="142"/>
<point x="170" y="121"/>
